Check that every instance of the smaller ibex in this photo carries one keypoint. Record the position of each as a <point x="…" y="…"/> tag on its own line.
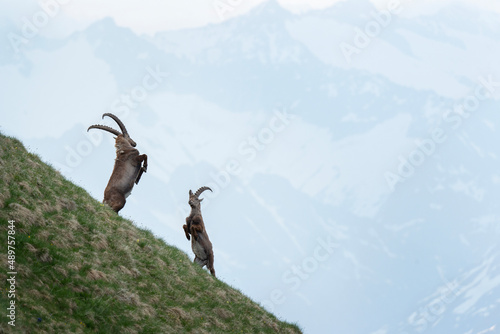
<point x="200" y="243"/>
<point x="128" y="166"/>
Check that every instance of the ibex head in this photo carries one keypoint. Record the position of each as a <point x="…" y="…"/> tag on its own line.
<point x="123" y="139"/>
<point x="194" y="201"/>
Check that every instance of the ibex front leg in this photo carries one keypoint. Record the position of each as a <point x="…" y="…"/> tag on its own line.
<point x="142" y="159"/>
<point x="196" y="227"/>
<point x="186" y="228"/>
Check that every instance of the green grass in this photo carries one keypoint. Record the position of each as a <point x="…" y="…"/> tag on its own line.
<point x="84" y="269"/>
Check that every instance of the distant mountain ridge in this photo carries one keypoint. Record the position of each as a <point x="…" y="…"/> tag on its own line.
<point x="427" y="246"/>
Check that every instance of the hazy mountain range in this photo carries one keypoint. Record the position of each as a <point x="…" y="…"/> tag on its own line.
<point x="311" y="139"/>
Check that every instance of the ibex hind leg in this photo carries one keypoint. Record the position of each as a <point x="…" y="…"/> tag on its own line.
<point x="210" y="264"/>
<point x="200" y="262"/>
<point x="116" y="202"/>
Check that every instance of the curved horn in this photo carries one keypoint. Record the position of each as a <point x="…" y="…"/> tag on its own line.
<point x="105" y="128"/>
<point x="117" y="120"/>
<point x="202" y="189"/>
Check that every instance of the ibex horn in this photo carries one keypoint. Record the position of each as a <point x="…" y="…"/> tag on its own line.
<point x="117" y="120"/>
<point x="105" y="128"/>
<point x="199" y="191"/>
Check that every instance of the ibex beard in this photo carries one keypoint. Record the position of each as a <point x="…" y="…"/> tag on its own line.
<point x="195" y="228"/>
<point x="128" y="168"/>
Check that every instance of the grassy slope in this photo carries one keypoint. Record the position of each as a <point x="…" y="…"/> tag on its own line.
<point x="82" y="268"/>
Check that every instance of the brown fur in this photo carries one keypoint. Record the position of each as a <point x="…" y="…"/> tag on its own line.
<point x="127" y="170"/>
<point x="200" y="243"/>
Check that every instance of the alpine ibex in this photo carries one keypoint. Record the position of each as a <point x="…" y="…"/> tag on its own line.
<point x="128" y="166"/>
<point x="200" y="243"/>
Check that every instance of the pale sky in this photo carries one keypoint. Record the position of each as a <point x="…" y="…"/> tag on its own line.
<point x="151" y="16"/>
<point x="313" y="180"/>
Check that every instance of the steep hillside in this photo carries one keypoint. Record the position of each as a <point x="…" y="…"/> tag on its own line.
<point x="82" y="268"/>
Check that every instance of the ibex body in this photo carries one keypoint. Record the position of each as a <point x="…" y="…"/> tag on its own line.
<point x="128" y="168"/>
<point x="200" y="243"/>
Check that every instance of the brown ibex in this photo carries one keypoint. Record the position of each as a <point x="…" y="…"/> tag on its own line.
<point x="128" y="166"/>
<point x="200" y="243"/>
